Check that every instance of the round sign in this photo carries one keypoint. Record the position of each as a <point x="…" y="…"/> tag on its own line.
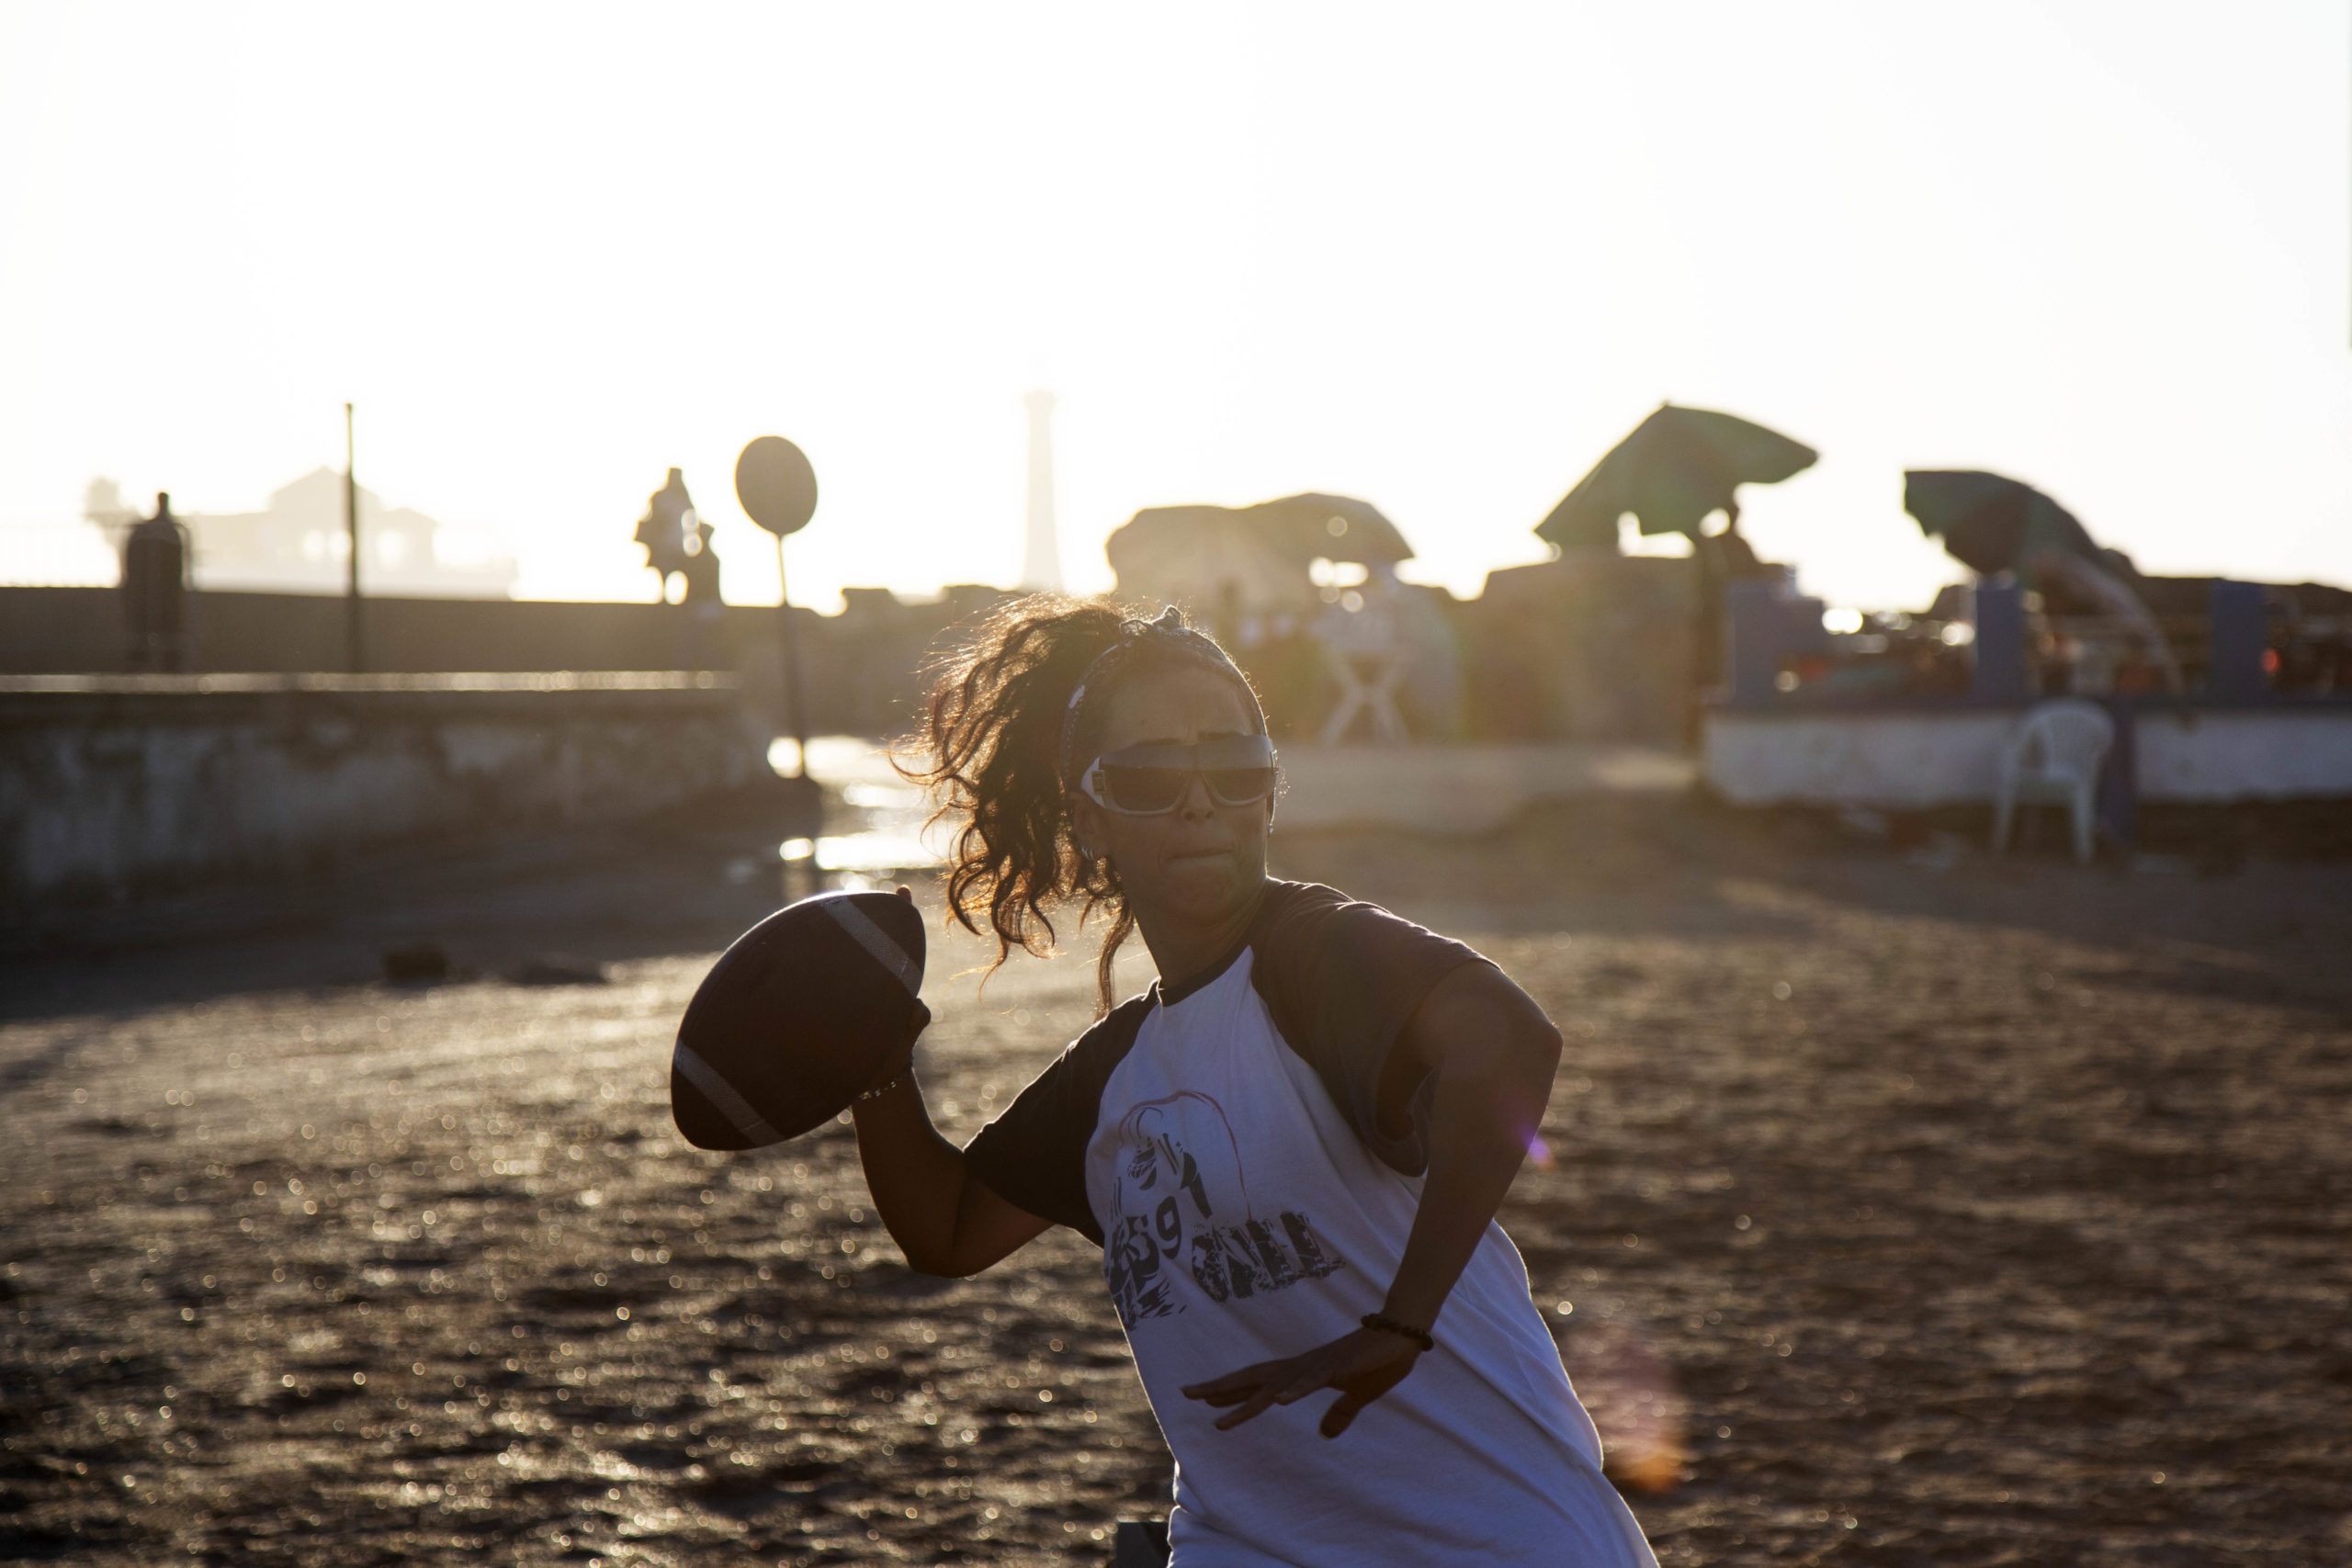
<point x="777" y="486"/>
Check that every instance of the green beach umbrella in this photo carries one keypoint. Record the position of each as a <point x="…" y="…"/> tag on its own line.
<point x="1677" y="465"/>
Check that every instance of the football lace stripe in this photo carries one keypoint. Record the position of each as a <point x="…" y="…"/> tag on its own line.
<point x="876" y="941"/>
<point x="722" y="1094"/>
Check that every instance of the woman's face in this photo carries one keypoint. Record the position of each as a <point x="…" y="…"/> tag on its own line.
<point x="1203" y="860"/>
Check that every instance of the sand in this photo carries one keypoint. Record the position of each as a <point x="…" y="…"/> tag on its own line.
<point x="1917" y="1210"/>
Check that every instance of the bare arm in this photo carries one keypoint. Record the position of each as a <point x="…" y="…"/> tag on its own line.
<point x="1492" y="1053"/>
<point x="944" y="1219"/>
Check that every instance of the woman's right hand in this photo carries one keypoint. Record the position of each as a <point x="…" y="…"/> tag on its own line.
<point x="896" y="1065"/>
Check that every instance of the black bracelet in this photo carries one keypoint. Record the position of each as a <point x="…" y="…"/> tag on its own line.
<point x="1388" y="1324"/>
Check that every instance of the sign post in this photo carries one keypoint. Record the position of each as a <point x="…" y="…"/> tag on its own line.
<point x="354" y="649"/>
<point x="778" y="491"/>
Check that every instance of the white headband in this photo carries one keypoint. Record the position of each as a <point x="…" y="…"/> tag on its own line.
<point x="1166" y="630"/>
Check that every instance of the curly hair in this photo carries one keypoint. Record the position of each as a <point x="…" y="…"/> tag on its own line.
<point x="1003" y="710"/>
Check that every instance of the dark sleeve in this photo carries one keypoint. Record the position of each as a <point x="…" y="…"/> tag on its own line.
<point x="1033" y="1156"/>
<point x="1341" y="979"/>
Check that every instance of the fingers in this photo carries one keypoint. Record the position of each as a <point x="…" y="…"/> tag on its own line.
<point x="1343" y="1412"/>
<point x="1307" y="1382"/>
<point x="1234" y="1385"/>
<point x="1307" y="1374"/>
<point x="907" y="893"/>
<point x="1224" y="1397"/>
<point x="1258" y="1405"/>
<point x="1362" y="1366"/>
<point x="1254" y="1388"/>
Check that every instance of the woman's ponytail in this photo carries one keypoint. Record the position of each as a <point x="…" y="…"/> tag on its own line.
<point x="990" y="749"/>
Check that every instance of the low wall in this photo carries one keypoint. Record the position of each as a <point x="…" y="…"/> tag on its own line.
<point x="860" y="671"/>
<point x="1894" y="757"/>
<point x="1893" y="761"/>
<point x="112" y="786"/>
<point x="1461" y="789"/>
<point x="1592" y="647"/>
<point x="60" y="630"/>
<point x="2203" y="756"/>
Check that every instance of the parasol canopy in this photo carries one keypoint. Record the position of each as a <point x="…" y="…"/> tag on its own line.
<point x="1336" y="528"/>
<point x="1677" y="465"/>
<point x="1991" y="523"/>
<point x="1201" y="554"/>
<point x="1296" y="528"/>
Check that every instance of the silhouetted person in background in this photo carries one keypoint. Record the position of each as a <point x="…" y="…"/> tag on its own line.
<point x="1723" y="560"/>
<point x="669" y="513"/>
<point x="154" y="590"/>
<point x="1728" y="557"/>
<point x="677" y="543"/>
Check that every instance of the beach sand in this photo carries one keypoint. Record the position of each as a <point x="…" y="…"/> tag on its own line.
<point x="1919" y="1210"/>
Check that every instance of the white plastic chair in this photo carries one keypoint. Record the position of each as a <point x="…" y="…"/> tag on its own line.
<point x="2053" y="759"/>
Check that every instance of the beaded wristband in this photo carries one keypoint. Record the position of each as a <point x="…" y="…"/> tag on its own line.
<point x="881" y="1090"/>
<point x="1382" y="1321"/>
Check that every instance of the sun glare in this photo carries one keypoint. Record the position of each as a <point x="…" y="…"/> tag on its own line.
<point x="1439" y="266"/>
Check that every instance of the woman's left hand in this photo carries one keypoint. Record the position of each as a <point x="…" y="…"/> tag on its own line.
<point x="1362" y="1365"/>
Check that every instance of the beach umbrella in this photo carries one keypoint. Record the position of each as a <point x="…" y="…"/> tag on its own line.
<point x="1205" y="555"/>
<point x="1677" y="465"/>
<point x="1991" y="523"/>
<point x="1336" y="528"/>
<point x="1294" y="530"/>
<point x="1273" y="538"/>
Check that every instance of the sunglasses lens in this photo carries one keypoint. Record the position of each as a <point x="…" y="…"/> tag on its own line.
<point x="1240" y="786"/>
<point x="1143" y="789"/>
<point x="1146" y="780"/>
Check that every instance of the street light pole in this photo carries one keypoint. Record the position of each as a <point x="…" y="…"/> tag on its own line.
<point x="353" y="654"/>
<point x="778" y="490"/>
<point x="795" y="684"/>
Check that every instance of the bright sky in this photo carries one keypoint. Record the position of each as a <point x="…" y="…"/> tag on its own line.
<point x="1437" y="257"/>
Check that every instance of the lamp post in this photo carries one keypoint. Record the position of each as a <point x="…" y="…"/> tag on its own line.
<point x="354" y="649"/>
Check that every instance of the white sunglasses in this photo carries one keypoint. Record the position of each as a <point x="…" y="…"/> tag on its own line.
<point x="1147" y="781"/>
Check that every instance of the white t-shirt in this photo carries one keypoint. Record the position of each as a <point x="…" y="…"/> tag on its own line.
<point x="1221" y="1140"/>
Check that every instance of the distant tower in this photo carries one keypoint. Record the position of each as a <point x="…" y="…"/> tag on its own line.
<point x="1041" y="563"/>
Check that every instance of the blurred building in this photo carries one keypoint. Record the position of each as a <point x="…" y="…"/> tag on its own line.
<point x="1305" y="592"/>
<point x="1592" y="645"/>
<point x="299" y="543"/>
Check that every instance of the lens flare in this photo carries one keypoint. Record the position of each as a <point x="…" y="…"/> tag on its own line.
<point x="1628" y="1389"/>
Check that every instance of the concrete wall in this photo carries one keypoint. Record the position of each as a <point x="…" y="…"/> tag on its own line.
<point x="1899" y="758"/>
<point x="1892" y="760"/>
<point x="110" y="788"/>
<point x="46" y="630"/>
<point x="2211" y="755"/>
<point x="1591" y="648"/>
<point x="862" y="667"/>
<point x="1461" y="789"/>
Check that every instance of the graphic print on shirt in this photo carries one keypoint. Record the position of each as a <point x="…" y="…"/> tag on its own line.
<point x="1182" y="1202"/>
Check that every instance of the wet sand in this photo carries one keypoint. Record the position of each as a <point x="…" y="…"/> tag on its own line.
<point x="1985" y="1215"/>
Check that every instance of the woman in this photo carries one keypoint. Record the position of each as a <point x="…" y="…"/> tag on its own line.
<point x="1291" y="1148"/>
